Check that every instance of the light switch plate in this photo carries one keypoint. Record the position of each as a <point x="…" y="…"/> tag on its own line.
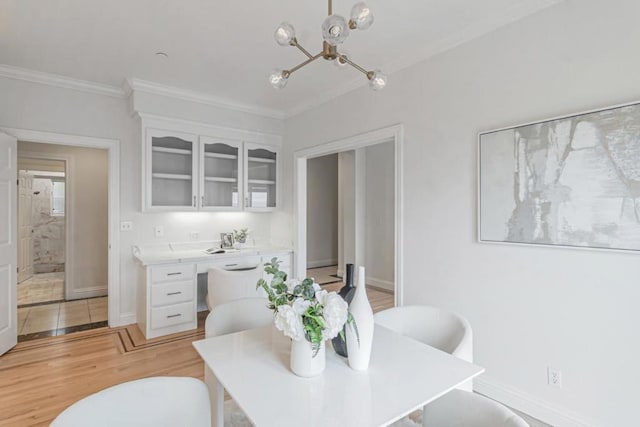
<point x="159" y="231"/>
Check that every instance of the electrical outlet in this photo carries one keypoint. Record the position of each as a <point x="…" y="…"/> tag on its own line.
<point x="126" y="226"/>
<point x="159" y="231"/>
<point x="194" y="235"/>
<point x="554" y="377"/>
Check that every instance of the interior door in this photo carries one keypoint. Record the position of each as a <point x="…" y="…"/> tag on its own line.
<point x="25" y="227"/>
<point x="8" y="242"/>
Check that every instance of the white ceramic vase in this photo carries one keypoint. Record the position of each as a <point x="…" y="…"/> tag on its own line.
<point x="303" y="363"/>
<point x="359" y="346"/>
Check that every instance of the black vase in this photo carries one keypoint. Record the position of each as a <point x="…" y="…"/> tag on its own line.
<point x="347" y="291"/>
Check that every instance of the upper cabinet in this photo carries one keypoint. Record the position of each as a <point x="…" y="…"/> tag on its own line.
<point x="261" y="177"/>
<point x="221" y="174"/>
<point x="190" y="171"/>
<point x="172" y="157"/>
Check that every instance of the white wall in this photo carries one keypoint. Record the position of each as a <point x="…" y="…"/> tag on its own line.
<point x="322" y="211"/>
<point x="530" y="307"/>
<point x="380" y="222"/>
<point x="87" y="176"/>
<point x="32" y="106"/>
<point x="346" y="210"/>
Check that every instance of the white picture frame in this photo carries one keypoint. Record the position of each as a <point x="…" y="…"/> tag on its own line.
<point x="571" y="181"/>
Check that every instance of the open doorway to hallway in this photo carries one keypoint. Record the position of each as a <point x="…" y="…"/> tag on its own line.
<point x="62" y="245"/>
<point x="350" y="218"/>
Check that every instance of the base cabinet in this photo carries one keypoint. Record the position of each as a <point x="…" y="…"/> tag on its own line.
<point x="167" y="294"/>
<point x="167" y="299"/>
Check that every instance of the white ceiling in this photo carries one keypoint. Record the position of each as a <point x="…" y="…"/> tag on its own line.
<point x="226" y="49"/>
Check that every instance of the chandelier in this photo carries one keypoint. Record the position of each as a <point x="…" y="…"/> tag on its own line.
<point x="335" y="30"/>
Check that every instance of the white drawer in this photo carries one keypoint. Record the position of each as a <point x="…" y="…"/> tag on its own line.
<point x="162" y="317"/>
<point x="235" y="263"/>
<point x="171" y="293"/>
<point x="171" y="273"/>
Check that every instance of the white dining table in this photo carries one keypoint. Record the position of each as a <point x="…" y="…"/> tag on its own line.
<point x="253" y="367"/>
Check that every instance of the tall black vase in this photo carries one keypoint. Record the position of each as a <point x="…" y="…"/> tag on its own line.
<point x="347" y="291"/>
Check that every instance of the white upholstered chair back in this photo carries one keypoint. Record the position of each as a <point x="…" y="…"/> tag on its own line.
<point x="228" y="285"/>
<point x="460" y="408"/>
<point x="238" y="315"/>
<point x="442" y="329"/>
<point x="149" y="402"/>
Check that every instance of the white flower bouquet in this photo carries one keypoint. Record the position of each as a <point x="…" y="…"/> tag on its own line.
<point x="304" y="311"/>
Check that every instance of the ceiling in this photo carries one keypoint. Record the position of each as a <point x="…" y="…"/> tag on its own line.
<point x="226" y="49"/>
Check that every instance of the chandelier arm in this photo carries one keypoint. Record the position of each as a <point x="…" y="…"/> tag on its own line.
<point x="295" y="43"/>
<point x="369" y="74"/>
<point x="302" y="64"/>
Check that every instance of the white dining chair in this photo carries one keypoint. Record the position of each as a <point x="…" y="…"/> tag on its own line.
<point x="237" y="315"/>
<point x="442" y="329"/>
<point x="234" y="316"/>
<point x="228" y="285"/>
<point x="149" y="402"/>
<point x="460" y="408"/>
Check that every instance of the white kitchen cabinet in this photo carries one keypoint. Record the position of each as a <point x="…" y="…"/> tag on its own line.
<point x="261" y="177"/>
<point x="171" y="177"/>
<point x="220" y="174"/>
<point x="167" y="288"/>
<point x="166" y="299"/>
<point x="195" y="167"/>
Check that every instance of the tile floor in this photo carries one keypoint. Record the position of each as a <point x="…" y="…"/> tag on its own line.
<point x="59" y="318"/>
<point x="39" y="288"/>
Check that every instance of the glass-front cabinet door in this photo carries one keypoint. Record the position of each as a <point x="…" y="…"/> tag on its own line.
<point x="171" y="165"/>
<point x="262" y="174"/>
<point x="220" y="174"/>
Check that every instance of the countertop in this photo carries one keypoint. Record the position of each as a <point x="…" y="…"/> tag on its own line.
<point x="172" y="253"/>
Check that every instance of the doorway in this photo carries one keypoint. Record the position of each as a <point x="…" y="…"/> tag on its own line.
<point x="360" y="225"/>
<point x="41" y="231"/>
<point x="63" y="244"/>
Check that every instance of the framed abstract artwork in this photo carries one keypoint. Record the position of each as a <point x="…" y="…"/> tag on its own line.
<point x="573" y="181"/>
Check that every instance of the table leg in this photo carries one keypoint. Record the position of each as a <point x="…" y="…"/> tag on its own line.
<point x="216" y="397"/>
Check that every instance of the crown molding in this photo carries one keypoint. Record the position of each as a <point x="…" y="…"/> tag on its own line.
<point x="57" y="80"/>
<point x="138" y="85"/>
<point x="511" y="14"/>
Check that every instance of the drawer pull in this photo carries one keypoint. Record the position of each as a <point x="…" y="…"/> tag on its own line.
<point x="174" y="274"/>
<point x="171" y="316"/>
<point x="174" y="293"/>
<point x="231" y="265"/>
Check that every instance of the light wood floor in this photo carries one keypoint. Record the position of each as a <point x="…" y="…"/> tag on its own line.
<point x="40" y="378"/>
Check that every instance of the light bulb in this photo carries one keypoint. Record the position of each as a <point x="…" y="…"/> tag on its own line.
<point x="278" y="79"/>
<point x="361" y="16"/>
<point x="335" y="30"/>
<point x="284" y="34"/>
<point x="378" y="80"/>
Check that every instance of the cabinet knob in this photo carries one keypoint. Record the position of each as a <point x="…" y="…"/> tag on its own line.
<point x="194" y="201"/>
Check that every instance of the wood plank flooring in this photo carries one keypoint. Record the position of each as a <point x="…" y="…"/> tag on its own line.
<point x="40" y="378"/>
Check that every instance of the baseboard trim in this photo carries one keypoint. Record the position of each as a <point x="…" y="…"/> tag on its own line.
<point x="378" y="283"/>
<point x="94" y="292"/>
<point x="125" y="319"/>
<point x="322" y="263"/>
<point x="530" y="405"/>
